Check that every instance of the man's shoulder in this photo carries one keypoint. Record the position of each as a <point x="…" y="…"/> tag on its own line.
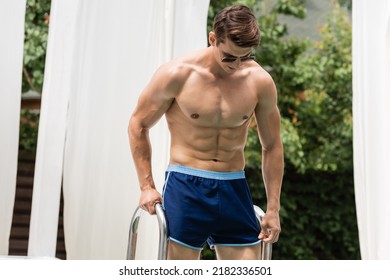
<point x="259" y="74"/>
<point x="172" y="75"/>
<point x="180" y="67"/>
<point x="258" y="78"/>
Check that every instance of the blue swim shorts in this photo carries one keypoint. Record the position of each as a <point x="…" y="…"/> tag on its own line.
<point x="206" y="206"/>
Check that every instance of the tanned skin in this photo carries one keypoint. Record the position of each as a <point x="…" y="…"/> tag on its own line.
<point x="208" y="105"/>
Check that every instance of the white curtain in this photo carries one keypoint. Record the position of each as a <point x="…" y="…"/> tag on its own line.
<point x="371" y="103"/>
<point x="11" y="63"/>
<point x="101" y="55"/>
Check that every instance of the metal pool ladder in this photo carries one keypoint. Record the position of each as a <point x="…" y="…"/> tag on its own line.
<point x="266" y="248"/>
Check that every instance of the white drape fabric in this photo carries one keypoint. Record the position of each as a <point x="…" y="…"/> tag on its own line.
<point x="11" y="63"/>
<point x="52" y="130"/>
<point x="371" y="103"/>
<point x="101" y="55"/>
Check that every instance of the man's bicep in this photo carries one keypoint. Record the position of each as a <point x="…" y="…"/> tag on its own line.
<point x="267" y="113"/>
<point x="154" y="101"/>
<point x="268" y="125"/>
<point x="151" y="106"/>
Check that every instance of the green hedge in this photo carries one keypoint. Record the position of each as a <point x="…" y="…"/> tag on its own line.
<point x="317" y="215"/>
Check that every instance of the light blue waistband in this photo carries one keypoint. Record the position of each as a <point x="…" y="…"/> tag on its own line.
<point x="206" y="173"/>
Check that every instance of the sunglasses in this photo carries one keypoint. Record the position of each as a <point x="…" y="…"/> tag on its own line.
<point x="231" y="59"/>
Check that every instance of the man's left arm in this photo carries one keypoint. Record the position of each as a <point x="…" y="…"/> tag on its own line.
<point x="268" y="124"/>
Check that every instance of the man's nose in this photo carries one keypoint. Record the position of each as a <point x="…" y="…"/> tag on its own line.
<point x="237" y="63"/>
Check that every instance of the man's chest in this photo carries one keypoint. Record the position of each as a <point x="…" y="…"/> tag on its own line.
<point x="217" y="105"/>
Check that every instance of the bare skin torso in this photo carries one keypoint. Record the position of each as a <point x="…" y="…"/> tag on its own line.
<point x="208" y="120"/>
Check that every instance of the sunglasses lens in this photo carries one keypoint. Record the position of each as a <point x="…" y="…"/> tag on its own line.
<point x="229" y="59"/>
<point x="233" y="59"/>
<point x="248" y="58"/>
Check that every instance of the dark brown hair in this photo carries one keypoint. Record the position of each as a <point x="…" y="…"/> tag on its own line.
<point x="238" y="24"/>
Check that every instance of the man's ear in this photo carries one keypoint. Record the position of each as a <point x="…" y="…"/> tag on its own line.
<point x="212" y="38"/>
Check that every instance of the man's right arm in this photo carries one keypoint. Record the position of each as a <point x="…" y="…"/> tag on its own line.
<point x="153" y="102"/>
<point x="268" y="123"/>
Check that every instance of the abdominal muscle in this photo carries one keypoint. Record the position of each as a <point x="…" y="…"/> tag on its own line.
<point x="207" y="148"/>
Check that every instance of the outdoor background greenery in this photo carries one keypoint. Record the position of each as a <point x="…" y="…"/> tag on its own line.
<point x="35" y="42"/>
<point x="314" y="82"/>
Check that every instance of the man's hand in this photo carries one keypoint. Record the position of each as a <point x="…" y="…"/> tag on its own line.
<point x="149" y="199"/>
<point x="270" y="227"/>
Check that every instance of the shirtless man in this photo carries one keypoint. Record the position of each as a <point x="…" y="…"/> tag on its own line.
<point x="208" y="98"/>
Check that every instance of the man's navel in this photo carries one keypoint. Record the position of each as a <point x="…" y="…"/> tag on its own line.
<point x="195" y="116"/>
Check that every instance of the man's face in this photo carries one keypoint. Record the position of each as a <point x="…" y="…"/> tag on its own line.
<point x="231" y="57"/>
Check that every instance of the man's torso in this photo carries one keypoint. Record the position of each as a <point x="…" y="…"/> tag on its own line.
<point x="209" y="118"/>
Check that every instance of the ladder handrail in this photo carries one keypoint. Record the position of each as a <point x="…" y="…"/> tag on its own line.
<point x="133" y="233"/>
<point x="266" y="248"/>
